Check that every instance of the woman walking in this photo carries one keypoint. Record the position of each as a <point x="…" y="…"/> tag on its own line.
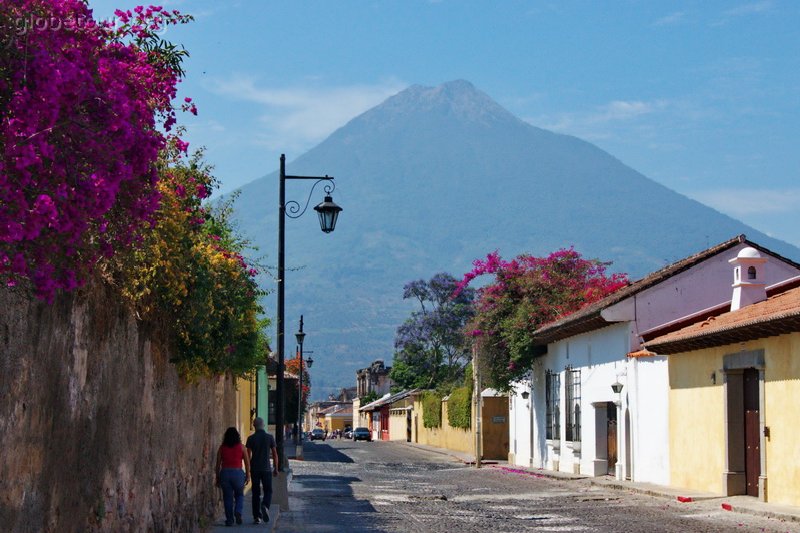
<point x="230" y="478"/>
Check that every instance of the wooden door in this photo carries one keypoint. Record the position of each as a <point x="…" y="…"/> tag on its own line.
<point x="611" y="417"/>
<point x="752" y="431"/>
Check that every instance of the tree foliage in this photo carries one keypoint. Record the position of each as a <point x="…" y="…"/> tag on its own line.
<point x="459" y="408"/>
<point x="431" y="409"/>
<point x="188" y="273"/>
<point x="293" y="367"/>
<point x="431" y="347"/>
<point x="525" y="294"/>
<point x="369" y="397"/>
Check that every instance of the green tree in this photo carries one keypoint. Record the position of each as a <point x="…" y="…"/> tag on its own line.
<point x="431" y="347"/>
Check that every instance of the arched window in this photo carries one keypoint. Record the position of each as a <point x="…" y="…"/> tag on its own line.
<point x="751" y="272"/>
<point x="736" y="274"/>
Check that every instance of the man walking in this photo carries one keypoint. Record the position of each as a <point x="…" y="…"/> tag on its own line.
<point x="260" y="445"/>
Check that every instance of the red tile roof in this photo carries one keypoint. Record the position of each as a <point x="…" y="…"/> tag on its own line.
<point x="642" y="353"/>
<point x="589" y="318"/>
<point x="776" y="315"/>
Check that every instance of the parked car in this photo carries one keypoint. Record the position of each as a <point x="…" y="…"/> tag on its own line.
<point x="317" y="434"/>
<point x="362" y="434"/>
<point x="348" y="433"/>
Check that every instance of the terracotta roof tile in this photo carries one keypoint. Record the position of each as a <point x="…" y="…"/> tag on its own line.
<point x="776" y="315"/>
<point x="589" y="319"/>
<point x="642" y="353"/>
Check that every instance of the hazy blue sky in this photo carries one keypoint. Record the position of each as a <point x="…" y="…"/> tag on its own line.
<point x="702" y="96"/>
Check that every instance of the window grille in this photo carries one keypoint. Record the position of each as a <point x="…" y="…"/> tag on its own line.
<point x="573" y="391"/>
<point x="553" y="416"/>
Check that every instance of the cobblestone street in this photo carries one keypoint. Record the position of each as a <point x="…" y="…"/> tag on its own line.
<point x="392" y="487"/>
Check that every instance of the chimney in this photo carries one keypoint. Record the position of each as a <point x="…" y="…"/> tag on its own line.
<point x="749" y="280"/>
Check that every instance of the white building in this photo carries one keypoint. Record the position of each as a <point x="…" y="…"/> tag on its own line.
<point x="573" y="420"/>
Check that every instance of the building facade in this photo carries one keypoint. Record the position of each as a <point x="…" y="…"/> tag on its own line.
<point x="734" y="379"/>
<point x="374" y="378"/>
<point x="597" y="402"/>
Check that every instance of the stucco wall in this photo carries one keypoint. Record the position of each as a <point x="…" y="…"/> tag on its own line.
<point x="398" y="424"/>
<point x="696" y="422"/>
<point x="519" y="414"/>
<point x="646" y="394"/>
<point x="600" y="357"/>
<point x="697" y="413"/>
<point x="460" y="440"/>
<point x="98" y="432"/>
<point x="782" y="390"/>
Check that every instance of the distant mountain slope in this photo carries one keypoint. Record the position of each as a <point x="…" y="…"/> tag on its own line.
<point x="435" y="177"/>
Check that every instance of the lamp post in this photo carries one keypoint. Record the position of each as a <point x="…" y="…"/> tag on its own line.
<point x="300" y="336"/>
<point x="301" y="413"/>
<point x="617" y="388"/>
<point x="328" y="213"/>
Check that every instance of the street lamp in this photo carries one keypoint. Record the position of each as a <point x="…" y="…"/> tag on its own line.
<point x="300" y="336"/>
<point x="328" y="213"/>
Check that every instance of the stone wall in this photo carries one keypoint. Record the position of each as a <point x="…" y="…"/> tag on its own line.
<point x="97" y="431"/>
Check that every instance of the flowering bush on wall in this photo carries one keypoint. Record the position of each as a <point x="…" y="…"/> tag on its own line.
<point x="526" y="293"/>
<point x="93" y="174"/>
<point x="189" y="269"/>
<point x="80" y="107"/>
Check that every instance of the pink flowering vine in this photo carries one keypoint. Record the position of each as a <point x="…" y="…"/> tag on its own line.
<point x="84" y="111"/>
<point x="524" y="294"/>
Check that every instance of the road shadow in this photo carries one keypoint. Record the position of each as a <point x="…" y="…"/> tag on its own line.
<point x="324" y="502"/>
<point x="324" y="453"/>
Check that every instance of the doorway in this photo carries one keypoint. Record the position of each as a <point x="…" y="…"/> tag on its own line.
<point x="611" y="436"/>
<point x="744" y="424"/>
<point x="752" y="433"/>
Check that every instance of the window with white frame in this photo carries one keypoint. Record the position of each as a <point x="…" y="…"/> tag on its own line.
<point x="572" y="377"/>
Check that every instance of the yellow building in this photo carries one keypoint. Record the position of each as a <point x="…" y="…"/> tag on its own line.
<point x="494" y="427"/>
<point x="337" y="417"/>
<point x="246" y="400"/>
<point x="734" y="381"/>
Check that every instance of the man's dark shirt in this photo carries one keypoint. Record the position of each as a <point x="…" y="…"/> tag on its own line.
<point x="261" y="444"/>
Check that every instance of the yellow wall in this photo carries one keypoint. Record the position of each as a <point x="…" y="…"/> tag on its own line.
<point x="697" y="414"/>
<point x="460" y="440"/>
<point x="245" y="401"/>
<point x="332" y="423"/>
<point x="782" y="410"/>
<point x="696" y="421"/>
<point x="397" y="425"/>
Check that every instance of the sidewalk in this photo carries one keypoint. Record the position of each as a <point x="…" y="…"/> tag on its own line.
<point x="466" y="458"/>
<point x="737" y="504"/>
<point x="247" y="518"/>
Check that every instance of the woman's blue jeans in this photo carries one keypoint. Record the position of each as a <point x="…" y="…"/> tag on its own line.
<point x="232" y="482"/>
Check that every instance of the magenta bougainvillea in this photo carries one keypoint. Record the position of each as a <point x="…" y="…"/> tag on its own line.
<point x="526" y="293"/>
<point x="85" y="109"/>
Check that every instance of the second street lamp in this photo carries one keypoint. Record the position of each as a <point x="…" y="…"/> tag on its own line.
<point x="300" y="336"/>
<point x="328" y="213"/>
